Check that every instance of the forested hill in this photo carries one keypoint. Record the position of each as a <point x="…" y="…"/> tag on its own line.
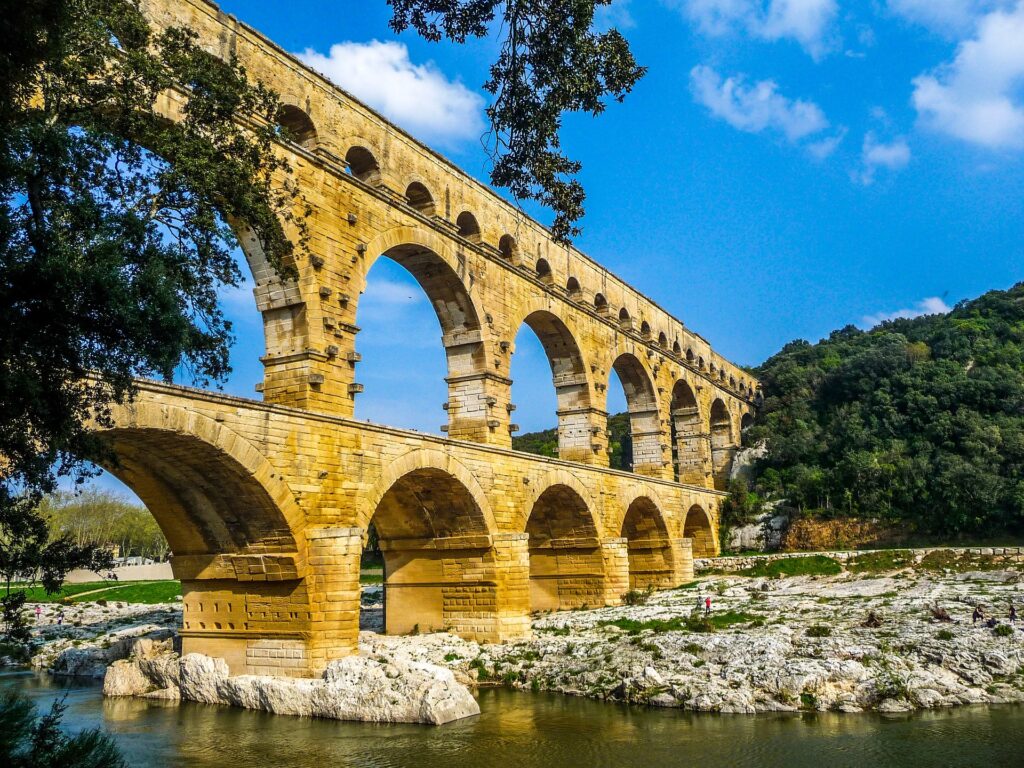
<point x="546" y="443"/>
<point x="919" y="421"/>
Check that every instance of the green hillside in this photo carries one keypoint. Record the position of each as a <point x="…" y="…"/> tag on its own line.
<point x="917" y="421"/>
<point x="546" y="443"/>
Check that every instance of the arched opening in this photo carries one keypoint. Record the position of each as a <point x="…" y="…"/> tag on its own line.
<point x="698" y="528"/>
<point x="566" y="567"/>
<point x="645" y="455"/>
<point x="296" y="126"/>
<point x="663" y="340"/>
<point x="544" y="271"/>
<point x="746" y="422"/>
<point x="508" y="247"/>
<point x="543" y="335"/>
<point x="645" y="329"/>
<point x="700" y="363"/>
<point x="419" y="197"/>
<point x="434" y="541"/>
<point x="224" y="514"/>
<point x="690" y="357"/>
<point x="572" y="287"/>
<point x="361" y="163"/>
<point x="722" y="447"/>
<point x="625" y="321"/>
<point x="651" y="560"/>
<point x="468" y="227"/>
<point x="691" y="445"/>
<point x="732" y="382"/>
<point x="600" y="303"/>
<point x="411" y="297"/>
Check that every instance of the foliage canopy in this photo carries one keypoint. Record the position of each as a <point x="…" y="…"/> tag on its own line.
<point x="917" y="420"/>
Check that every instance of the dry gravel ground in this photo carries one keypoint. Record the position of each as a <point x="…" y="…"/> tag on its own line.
<point x="780" y="644"/>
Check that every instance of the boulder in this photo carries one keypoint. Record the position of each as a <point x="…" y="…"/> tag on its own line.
<point x="354" y="688"/>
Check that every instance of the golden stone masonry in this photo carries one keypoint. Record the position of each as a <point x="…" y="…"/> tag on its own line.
<point x="266" y="504"/>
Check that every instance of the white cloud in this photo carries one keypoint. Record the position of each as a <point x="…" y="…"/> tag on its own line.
<point x="756" y="107"/>
<point x="876" y="154"/>
<point x="977" y="97"/>
<point x="946" y="17"/>
<point x="808" y="22"/>
<point x="416" y="96"/>
<point x="823" y="149"/>
<point x="933" y="305"/>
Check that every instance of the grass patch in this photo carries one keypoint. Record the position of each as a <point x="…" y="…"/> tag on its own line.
<point x="371" y="577"/>
<point x="881" y="562"/>
<point x="818" y="630"/>
<point x="813" y="565"/>
<point x="126" y="592"/>
<point x="944" y="634"/>
<point x="1003" y="630"/>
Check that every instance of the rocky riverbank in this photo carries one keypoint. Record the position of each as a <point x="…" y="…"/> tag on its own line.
<point x="851" y="642"/>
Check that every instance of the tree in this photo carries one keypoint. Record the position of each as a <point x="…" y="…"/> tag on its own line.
<point x="28" y="554"/>
<point x="551" y="60"/>
<point x="113" y="234"/>
<point x="30" y="741"/>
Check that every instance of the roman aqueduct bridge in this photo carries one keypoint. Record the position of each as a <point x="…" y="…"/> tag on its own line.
<point x="266" y="504"/>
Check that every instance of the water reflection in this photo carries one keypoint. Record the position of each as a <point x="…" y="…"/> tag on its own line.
<point x="539" y="730"/>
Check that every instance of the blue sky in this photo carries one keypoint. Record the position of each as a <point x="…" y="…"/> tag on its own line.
<point x="785" y="168"/>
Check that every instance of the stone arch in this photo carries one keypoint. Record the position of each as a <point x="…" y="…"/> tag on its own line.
<point x="543" y="271"/>
<point x="652" y="560"/>
<point x="418" y="196"/>
<point x="723" y="447"/>
<point x="690" y="439"/>
<point x="297" y="126"/>
<point x="440" y="274"/>
<point x="564" y="542"/>
<point x="690" y="357"/>
<point x="435" y="533"/>
<point x="362" y="164"/>
<point x="697" y="527"/>
<point x="237" y="534"/>
<point x="210" y="490"/>
<point x="600" y="302"/>
<point x="663" y="340"/>
<point x="645" y="329"/>
<point x="625" y="321"/>
<point x="508" y="247"/>
<point x="570" y="378"/>
<point x="469" y="227"/>
<point x="746" y="421"/>
<point x="572" y="287"/>
<point x="644" y="419"/>
<point x="426" y="459"/>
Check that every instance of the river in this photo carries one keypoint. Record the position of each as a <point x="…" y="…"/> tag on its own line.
<point x="521" y="730"/>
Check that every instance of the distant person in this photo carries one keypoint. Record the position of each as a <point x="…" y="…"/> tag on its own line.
<point x="39" y="612"/>
<point x="978" y="614"/>
<point x="992" y="623"/>
<point x="60" y="617"/>
<point x="1013" y="614"/>
<point x="707" y="605"/>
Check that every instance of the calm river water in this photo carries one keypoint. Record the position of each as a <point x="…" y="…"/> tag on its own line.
<point x="520" y="730"/>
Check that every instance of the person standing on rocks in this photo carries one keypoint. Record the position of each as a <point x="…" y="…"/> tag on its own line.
<point x="707" y="605"/>
<point x="978" y="614"/>
<point x="1013" y="614"/>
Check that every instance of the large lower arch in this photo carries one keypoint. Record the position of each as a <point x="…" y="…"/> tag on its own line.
<point x="723" y="447"/>
<point x="443" y="277"/>
<point x="437" y="537"/>
<point x="691" y="440"/>
<point x="697" y="527"/>
<point x="652" y="560"/>
<point x="235" y="531"/>
<point x="566" y="563"/>
<point x="644" y="421"/>
<point x="572" y="386"/>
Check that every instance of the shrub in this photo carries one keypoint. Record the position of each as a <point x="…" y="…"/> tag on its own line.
<point x="944" y="634"/>
<point x="1003" y="630"/>
<point x="636" y="597"/>
<point x="818" y="630"/>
